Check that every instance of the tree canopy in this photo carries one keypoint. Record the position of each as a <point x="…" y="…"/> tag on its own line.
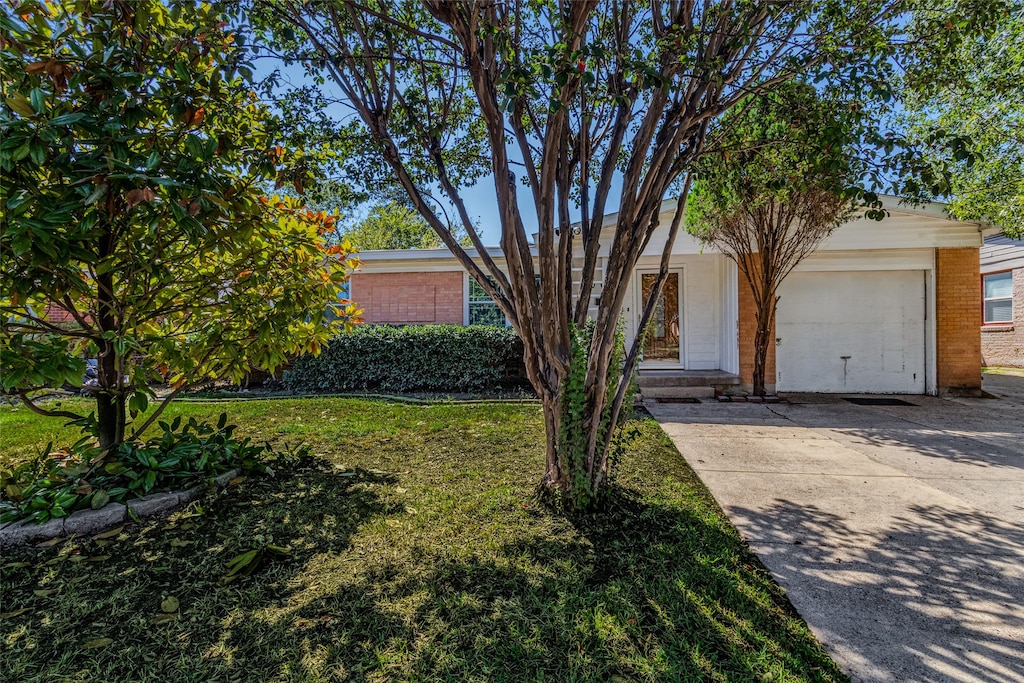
<point x="981" y="100"/>
<point x="134" y="228"/>
<point x="560" y="102"/>
<point x="783" y="175"/>
<point x="394" y="225"/>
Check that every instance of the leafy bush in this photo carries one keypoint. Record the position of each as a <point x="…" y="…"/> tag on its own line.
<point x="444" y="358"/>
<point x="55" y="484"/>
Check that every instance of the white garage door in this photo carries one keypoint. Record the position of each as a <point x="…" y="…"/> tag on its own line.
<point x="852" y="332"/>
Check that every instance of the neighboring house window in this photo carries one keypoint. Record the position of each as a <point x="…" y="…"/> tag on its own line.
<point x="998" y="293"/>
<point x="482" y="309"/>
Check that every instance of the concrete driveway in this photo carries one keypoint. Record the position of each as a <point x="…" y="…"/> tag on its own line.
<point x="898" y="531"/>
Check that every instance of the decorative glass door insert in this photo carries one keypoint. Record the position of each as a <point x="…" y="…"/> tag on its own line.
<point x="661" y="344"/>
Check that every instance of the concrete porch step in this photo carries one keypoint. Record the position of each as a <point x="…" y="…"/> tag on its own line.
<point x="685" y="378"/>
<point x="677" y="392"/>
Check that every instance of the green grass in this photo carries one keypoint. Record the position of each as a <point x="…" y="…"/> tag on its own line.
<point x="419" y="554"/>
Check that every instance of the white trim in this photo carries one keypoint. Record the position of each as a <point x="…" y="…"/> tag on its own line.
<point x="729" y="338"/>
<point x="931" y="367"/>
<point x="868" y="259"/>
<point x="465" y="299"/>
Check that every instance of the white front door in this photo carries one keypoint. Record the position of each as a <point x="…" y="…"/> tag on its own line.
<point x="663" y="342"/>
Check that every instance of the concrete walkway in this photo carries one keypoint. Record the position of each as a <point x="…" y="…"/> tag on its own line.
<point x="898" y="531"/>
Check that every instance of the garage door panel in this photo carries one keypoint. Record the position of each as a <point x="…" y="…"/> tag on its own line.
<point x="852" y="332"/>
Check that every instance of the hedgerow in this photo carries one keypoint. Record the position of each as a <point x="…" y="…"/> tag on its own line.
<point x="431" y="358"/>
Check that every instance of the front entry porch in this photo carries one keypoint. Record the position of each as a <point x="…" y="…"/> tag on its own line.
<point x="668" y="384"/>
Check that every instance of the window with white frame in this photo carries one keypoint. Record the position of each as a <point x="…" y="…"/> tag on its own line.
<point x="482" y="309"/>
<point x="998" y="294"/>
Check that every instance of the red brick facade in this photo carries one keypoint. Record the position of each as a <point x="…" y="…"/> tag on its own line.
<point x="958" y="317"/>
<point x="410" y="298"/>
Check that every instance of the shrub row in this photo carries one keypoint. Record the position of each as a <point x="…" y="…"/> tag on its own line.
<point x="436" y="358"/>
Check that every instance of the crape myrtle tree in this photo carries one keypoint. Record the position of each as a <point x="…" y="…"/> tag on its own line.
<point x="134" y="229"/>
<point x="782" y="176"/>
<point x="559" y="103"/>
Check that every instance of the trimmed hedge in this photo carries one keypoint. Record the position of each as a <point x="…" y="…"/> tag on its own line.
<point x="442" y="358"/>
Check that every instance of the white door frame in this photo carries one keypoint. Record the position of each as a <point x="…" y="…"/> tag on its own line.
<point x="639" y="304"/>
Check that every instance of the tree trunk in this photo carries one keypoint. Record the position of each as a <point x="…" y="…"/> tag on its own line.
<point x="578" y="426"/>
<point x="765" y="306"/>
<point x="110" y="395"/>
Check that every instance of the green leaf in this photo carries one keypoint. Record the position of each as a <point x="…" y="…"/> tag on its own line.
<point x="20" y="104"/>
<point x="99" y="499"/>
<point x="169" y="604"/>
<point x="241" y="561"/>
<point x="38" y="100"/>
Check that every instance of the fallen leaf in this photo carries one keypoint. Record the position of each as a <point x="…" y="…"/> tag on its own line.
<point x="178" y="543"/>
<point x="163" y="618"/>
<point x="400" y="490"/>
<point x="109" y="534"/>
<point x="170" y="604"/>
<point x="52" y="542"/>
<point x="46" y="593"/>
<point x="236" y="481"/>
<point x="11" y="615"/>
<point x="99" y="558"/>
<point x="97" y="642"/>
<point x="103" y="543"/>
<point x="15" y="565"/>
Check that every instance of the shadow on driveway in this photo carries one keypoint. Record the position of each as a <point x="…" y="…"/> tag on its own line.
<point x="897" y="530"/>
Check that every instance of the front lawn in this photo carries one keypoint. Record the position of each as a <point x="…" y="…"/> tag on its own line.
<point x="417" y="553"/>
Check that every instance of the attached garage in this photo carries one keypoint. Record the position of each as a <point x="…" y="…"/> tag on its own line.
<point x="853" y="332"/>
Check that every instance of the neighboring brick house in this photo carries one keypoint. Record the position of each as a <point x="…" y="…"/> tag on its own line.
<point x="1002" y="302"/>
<point x="881" y="307"/>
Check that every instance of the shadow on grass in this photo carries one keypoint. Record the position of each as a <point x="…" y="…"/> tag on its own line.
<point x="649" y="590"/>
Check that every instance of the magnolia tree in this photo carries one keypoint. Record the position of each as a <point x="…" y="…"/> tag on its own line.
<point x="782" y="177"/>
<point x="134" y="230"/>
<point x="574" y="109"/>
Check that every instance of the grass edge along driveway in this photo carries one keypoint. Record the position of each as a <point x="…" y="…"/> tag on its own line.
<point x="417" y="553"/>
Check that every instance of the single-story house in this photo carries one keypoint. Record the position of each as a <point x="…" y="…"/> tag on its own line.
<point x="886" y="306"/>
<point x="1002" y="288"/>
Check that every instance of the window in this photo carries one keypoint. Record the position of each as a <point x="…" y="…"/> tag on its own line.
<point x="482" y="309"/>
<point x="998" y="294"/>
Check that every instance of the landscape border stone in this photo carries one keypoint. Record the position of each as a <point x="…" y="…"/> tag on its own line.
<point x="91" y="522"/>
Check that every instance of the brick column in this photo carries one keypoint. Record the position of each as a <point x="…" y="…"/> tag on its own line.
<point x="958" y="320"/>
<point x="746" y="328"/>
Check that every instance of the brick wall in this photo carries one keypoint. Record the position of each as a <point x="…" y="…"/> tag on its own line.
<point x="958" y="317"/>
<point x="1004" y="344"/>
<point x="409" y="298"/>
<point x="747" y="328"/>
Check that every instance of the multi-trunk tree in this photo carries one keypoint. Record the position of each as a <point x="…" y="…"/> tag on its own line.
<point x="134" y="227"/>
<point x="575" y="109"/>
<point x="783" y="175"/>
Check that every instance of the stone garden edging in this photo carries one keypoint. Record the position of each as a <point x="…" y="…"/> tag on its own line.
<point x="91" y="522"/>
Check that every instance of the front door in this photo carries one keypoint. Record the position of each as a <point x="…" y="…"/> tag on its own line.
<point x="661" y="343"/>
